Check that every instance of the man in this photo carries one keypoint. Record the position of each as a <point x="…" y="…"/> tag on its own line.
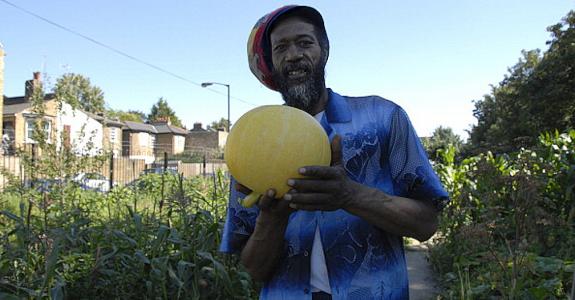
<point x="337" y="234"/>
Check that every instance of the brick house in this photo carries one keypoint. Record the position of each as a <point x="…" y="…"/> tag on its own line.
<point x="138" y="140"/>
<point x="169" y="139"/>
<point x="112" y="137"/>
<point x="61" y="123"/>
<point x="199" y="137"/>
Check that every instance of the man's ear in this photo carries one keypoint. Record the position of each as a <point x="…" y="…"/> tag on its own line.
<point x="325" y="56"/>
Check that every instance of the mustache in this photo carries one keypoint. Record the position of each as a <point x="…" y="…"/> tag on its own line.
<point x="297" y="66"/>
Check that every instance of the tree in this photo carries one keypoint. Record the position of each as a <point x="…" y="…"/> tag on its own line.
<point x="441" y="138"/>
<point x="537" y="95"/>
<point x="129" y="115"/>
<point x="162" y="111"/>
<point x="77" y="91"/>
<point x="222" y="123"/>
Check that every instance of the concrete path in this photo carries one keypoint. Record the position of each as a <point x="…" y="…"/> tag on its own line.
<point x="422" y="284"/>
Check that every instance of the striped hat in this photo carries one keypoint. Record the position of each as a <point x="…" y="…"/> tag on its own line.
<point x="259" y="50"/>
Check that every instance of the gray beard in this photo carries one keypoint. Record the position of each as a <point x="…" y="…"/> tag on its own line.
<point x="303" y="95"/>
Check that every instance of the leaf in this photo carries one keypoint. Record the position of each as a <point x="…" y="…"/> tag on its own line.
<point x="125" y="237"/>
<point x="52" y="260"/>
<point x="57" y="292"/>
<point x="12" y="216"/>
<point x="142" y="257"/>
<point x="548" y="264"/>
<point x="173" y="275"/>
<point x="5" y="296"/>
<point x="219" y="267"/>
<point x="539" y="293"/>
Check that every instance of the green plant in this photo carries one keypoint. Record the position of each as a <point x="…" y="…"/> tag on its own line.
<point x="509" y="230"/>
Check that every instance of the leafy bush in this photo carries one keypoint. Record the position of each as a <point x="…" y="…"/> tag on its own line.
<point x="155" y="242"/>
<point x="509" y="230"/>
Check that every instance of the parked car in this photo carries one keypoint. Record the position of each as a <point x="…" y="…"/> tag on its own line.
<point x="159" y="170"/>
<point x="93" y="181"/>
<point x="43" y="185"/>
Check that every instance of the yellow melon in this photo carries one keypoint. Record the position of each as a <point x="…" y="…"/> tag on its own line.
<point x="268" y="145"/>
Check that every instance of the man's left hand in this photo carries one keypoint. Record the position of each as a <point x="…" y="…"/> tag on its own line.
<point x="324" y="188"/>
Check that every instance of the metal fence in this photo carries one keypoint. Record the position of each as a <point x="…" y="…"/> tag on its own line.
<point x="115" y="169"/>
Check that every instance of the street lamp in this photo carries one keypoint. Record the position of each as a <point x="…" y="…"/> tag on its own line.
<point x="206" y="84"/>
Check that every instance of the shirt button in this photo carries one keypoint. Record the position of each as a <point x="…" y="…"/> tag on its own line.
<point x="306" y="291"/>
<point x="305" y="253"/>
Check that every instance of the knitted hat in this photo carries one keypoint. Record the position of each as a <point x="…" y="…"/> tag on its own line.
<point x="259" y="50"/>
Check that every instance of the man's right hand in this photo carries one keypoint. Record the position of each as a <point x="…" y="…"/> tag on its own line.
<point x="268" y="203"/>
<point x="264" y="248"/>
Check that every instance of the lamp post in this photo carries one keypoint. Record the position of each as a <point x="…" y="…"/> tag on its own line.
<point x="206" y="84"/>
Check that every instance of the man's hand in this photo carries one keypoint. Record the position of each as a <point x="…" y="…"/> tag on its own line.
<point x="267" y="203"/>
<point x="325" y="188"/>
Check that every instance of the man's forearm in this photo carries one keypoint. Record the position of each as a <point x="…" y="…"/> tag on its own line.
<point x="396" y="215"/>
<point x="265" y="246"/>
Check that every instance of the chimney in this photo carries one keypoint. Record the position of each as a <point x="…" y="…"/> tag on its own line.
<point x="33" y="84"/>
<point x="197" y="126"/>
<point x="1" y="87"/>
<point x="162" y="121"/>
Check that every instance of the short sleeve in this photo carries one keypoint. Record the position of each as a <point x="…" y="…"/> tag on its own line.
<point x="412" y="173"/>
<point x="239" y="224"/>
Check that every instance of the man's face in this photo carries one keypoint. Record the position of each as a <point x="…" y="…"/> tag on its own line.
<point x="298" y="63"/>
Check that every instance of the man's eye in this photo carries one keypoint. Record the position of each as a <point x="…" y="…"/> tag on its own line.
<point x="305" y="43"/>
<point x="279" y="47"/>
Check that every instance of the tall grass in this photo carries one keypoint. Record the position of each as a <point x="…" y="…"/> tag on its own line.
<point x="154" y="240"/>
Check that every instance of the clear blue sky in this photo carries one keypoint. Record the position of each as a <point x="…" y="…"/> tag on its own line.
<point x="431" y="57"/>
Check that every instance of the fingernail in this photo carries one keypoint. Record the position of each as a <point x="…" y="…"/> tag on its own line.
<point x="270" y="193"/>
<point x="302" y="170"/>
<point x="293" y="206"/>
<point x="287" y="197"/>
<point x="291" y="182"/>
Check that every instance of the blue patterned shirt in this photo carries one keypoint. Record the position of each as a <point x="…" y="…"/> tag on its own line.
<point x="381" y="150"/>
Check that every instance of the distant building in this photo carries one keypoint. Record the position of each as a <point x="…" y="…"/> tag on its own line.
<point x="112" y="140"/>
<point x="61" y="123"/>
<point x="199" y="137"/>
<point x="169" y="139"/>
<point x="1" y="84"/>
<point x="138" y="141"/>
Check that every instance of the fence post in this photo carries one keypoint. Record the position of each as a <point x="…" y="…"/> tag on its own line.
<point x="111" y="170"/>
<point x="204" y="165"/>
<point x="165" y="161"/>
<point x="33" y="166"/>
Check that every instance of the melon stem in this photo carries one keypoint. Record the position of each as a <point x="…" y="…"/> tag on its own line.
<point x="250" y="200"/>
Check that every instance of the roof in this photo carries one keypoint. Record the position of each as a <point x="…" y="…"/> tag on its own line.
<point x="22" y="99"/>
<point x="165" y="128"/>
<point x="197" y="130"/>
<point x="140" y="127"/>
<point x="15" y="105"/>
<point x="105" y="121"/>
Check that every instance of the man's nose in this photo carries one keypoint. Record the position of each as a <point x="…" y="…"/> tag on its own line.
<point x="294" y="53"/>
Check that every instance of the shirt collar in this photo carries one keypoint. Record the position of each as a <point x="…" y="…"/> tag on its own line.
<point x="337" y="109"/>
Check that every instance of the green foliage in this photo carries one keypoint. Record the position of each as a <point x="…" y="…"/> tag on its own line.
<point x="154" y="240"/>
<point x="77" y="91"/>
<point x="161" y="111"/>
<point x="537" y="95"/>
<point x="509" y="231"/>
<point x="442" y="138"/>
<point x="130" y="115"/>
<point x="221" y="124"/>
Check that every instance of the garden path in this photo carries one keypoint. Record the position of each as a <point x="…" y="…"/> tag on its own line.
<point x="422" y="283"/>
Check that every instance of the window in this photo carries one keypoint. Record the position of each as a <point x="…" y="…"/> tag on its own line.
<point x="180" y="142"/>
<point x="143" y="137"/>
<point x="30" y="127"/>
<point x="113" y="136"/>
